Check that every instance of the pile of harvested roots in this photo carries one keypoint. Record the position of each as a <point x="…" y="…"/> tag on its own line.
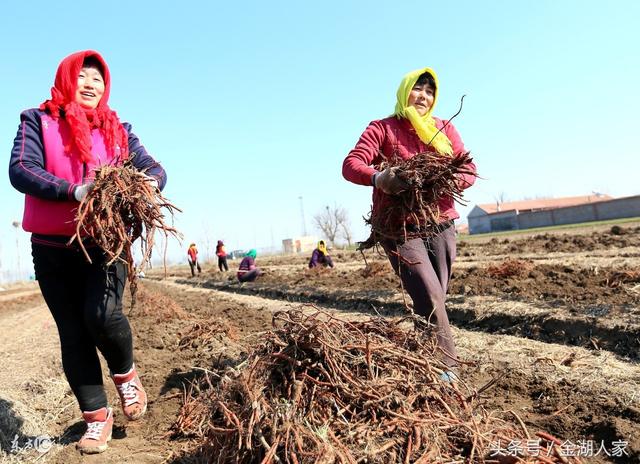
<point x="158" y="306"/>
<point x="375" y="269"/>
<point x="431" y="176"/>
<point x="323" y="390"/>
<point x="618" y="278"/>
<point x="203" y="332"/>
<point x="509" y="268"/>
<point x="122" y="206"/>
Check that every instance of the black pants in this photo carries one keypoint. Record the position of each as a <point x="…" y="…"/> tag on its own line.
<point x="222" y="263"/>
<point x="86" y="303"/>
<point x="195" y="266"/>
<point x="425" y="269"/>
<point x="326" y="261"/>
<point x="250" y="276"/>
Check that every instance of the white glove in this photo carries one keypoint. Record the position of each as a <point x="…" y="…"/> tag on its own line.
<point x="389" y="182"/>
<point x="82" y="191"/>
<point x="152" y="180"/>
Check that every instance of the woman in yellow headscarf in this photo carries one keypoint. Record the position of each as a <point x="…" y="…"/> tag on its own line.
<point x="423" y="265"/>
<point x="320" y="256"/>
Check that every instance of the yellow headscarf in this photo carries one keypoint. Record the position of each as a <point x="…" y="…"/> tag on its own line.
<point x="322" y="248"/>
<point x="425" y="126"/>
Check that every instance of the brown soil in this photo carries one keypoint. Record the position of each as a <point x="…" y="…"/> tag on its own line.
<point x="521" y="325"/>
<point x="583" y="304"/>
<point x="614" y="237"/>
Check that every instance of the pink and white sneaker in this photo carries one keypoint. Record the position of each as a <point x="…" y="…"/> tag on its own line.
<point x="99" y="427"/>
<point x="132" y="395"/>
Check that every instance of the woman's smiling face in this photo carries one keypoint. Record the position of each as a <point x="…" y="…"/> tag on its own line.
<point x="90" y="87"/>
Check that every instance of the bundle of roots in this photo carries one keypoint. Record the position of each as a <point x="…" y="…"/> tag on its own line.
<point x="203" y="332"/>
<point x="122" y="206"/>
<point x="159" y="306"/>
<point x="509" y="268"/>
<point x="414" y="212"/>
<point x="323" y="390"/>
<point x="618" y="278"/>
<point x="375" y="269"/>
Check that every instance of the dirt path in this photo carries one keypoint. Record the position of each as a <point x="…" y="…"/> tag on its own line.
<point x="6" y="296"/>
<point x="33" y="392"/>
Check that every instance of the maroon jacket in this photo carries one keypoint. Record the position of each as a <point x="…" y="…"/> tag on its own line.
<point x="247" y="264"/>
<point x="386" y="137"/>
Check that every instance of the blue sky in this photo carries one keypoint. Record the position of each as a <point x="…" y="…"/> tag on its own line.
<point x="250" y="107"/>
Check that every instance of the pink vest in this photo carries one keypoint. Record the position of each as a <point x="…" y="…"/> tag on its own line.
<point x="54" y="217"/>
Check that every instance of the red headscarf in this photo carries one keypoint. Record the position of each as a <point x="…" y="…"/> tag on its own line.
<point x="82" y="120"/>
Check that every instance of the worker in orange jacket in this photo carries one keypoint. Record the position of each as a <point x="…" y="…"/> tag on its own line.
<point x="192" y="257"/>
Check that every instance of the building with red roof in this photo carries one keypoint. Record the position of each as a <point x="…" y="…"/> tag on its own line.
<point x="526" y="214"/>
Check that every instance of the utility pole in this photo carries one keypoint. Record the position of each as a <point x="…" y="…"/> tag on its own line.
<point x="273" y="242"/>
<point x="304" y="224"/>
<point x="16" y="224"/>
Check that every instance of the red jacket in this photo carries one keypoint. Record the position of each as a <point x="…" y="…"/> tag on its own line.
<point x="193" y="254"/>
<point x="391" y="135"/>
<point x="220" y="251"/>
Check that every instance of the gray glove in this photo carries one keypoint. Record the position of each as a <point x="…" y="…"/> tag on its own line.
<point x="389" y="182"/>
<point x="82" y="191"/>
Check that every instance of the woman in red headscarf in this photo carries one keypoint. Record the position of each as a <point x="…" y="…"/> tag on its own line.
<point x="55" y="153"/>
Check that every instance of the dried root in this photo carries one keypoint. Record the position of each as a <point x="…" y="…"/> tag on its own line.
<point x="122" y="207"/>
<point x="509" y="268"/>
<point x="322" y="389"/>
<point x="415" y="213"/>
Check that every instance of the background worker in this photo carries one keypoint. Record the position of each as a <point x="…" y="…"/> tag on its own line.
<point x="192" y="258"/>
<point x="320" y="256"/>
<point x="222" y="257"/>
<point x="248" y="271"/>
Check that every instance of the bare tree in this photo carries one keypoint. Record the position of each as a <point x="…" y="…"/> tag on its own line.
<point x="345" y="230"/>
<point x="207" y="240"/>
<point x="331" y="222"/>
<point x="500" y="199"/>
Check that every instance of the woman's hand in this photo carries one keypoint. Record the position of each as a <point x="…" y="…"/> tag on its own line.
<point x="82" y="191"/>
<point x="389" y="182"/>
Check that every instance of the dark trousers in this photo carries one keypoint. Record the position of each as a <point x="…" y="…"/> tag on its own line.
<point x="193" y="267"/>
<point x="323" y="260"/>
<point x="425" y="269"/>
<point x="250" y="276"/>
<point x="86" y="303"/>
<point x="222" y="263"/>
<point x="326" y="261"/>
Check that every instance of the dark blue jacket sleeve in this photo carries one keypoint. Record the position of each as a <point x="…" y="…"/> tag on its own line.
<point x="143" y="160"/>
<point x="27" y="164"/>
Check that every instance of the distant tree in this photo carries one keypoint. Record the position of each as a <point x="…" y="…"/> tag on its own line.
<point x="333" y="222"/>
<point x="207" y="240"/>
<point x="500" y="199"/>
<point x="345" y="231"/>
